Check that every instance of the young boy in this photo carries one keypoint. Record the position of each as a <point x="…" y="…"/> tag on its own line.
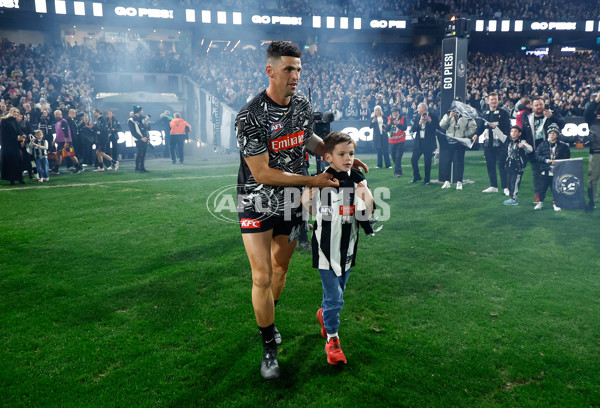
<point x="39" y="148"/>
<point x="516" y="161"/>
<point x="338" y="213"/>
<point x="549" y="150"/>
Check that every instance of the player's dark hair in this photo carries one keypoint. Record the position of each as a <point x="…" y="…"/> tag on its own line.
<point x="278" y="49"/>
<point x="335" y="138"/>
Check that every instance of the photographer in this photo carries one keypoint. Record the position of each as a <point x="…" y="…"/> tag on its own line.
<point x="138" y="126"/>
<point x="424" y="127"/>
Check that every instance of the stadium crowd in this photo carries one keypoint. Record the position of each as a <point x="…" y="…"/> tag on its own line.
<point x="40" y="79"/>
<point x="428" y="9"/>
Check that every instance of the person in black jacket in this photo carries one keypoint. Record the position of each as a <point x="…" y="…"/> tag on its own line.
<point x="494" y="149"/>
<point x="101" y="129"/>
<point x="114" y="127"/>
<point x="380" y="138"/>
<point x="545" y="154"/>
<point x="517" y="150"/>
<point x="11" y="140"/>
<point x="138" y="126"/>
<point x="535" y="129"/>
<point x="424" y="127"/>
<point x="592" y="117"/>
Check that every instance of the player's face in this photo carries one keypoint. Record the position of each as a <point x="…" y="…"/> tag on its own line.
<point x="284" y="74"/>
<point x="342" y="157"/>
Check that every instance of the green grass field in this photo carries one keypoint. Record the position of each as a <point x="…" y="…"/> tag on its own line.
<point x="121" y="290"/>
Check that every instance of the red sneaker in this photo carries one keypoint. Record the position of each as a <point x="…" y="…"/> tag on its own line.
<point x="320" y="319"/>
<point x="335" y="355"/>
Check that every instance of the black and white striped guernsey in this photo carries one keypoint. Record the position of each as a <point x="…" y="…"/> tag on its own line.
<point x="263" y="126"/>
<point x="336" y="228"/>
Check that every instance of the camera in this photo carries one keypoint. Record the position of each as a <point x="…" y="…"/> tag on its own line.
<point x="322" y="122"/>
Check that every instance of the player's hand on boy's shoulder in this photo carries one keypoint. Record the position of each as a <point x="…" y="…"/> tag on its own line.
<point x="324" y="180"/>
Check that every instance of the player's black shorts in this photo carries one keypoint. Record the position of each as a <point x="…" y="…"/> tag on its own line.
<point x="253" y="222"/>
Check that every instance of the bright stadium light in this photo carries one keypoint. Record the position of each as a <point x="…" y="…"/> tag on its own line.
<point x="344" y="23"/>
<point x="60" y="7"/>
<point x="221" y="17"/>
<point x="237" y="18"/>
<point x="316" y="21"/>
<point x="479" y="25"/>
<point x="492" y="25"/>
<point x="97" y="9"/>
<point x="357" y="23"/>
<point x="40" y="6"/>
<point x="519" y="25"/>
<point x="190" y="15"/>
<point x="505" y="26"/>
<point x="79" y="8"/>
<point x="589" y="25"/>
<point x="206" y="16"/>
<point x="330" y="22"/>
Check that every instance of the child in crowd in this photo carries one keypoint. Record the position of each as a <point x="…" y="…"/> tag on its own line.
<point x="39" y="148"/>
<point x="549" y="150"/>
<point x="516" y="161"/>
<point x="338" y="213"/>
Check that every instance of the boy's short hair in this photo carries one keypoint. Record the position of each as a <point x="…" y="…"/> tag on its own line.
<point x="278" y="49"/>
<point x="335" y="138"/>
<point x="38" y="132"/>
<point x="517" y="127"/>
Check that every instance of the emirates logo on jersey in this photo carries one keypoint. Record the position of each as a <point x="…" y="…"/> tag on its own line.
<point x="276" y="127"/>
<point x="287" y="141"/>
<point x="250" y="223"/>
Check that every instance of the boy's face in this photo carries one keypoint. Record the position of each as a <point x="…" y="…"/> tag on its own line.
<point x="515" y="134"/>
<point x="342" y="157"/>
<point x="39" y="136"/>
<point x="552" y="137"/>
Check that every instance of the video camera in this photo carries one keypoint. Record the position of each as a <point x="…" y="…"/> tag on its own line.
<point x="322" y="122"/>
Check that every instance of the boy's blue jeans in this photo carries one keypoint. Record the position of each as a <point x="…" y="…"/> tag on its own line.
<point x="42" y="167"/>
<point x="333" y="298"/>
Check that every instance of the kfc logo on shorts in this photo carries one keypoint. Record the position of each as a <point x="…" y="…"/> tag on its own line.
<point x="250" y="223"/>
<point x="347" y="210"/>
<point x="276" y="127"/>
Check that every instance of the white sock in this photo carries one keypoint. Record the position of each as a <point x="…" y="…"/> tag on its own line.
<point x="329" y="336"/>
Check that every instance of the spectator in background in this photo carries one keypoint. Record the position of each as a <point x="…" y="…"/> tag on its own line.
<point x="592" y="117"/>
<point x="139" y="126"/>
<point x="114" y="127"/>
<point x="64" y="143"/>
<point x="516" y="161"/>
<point x="546" y="153"/>
<point x="164" y="125"/>
<point x="452" y="152"/>
<point x="101" y="130"/>
<point x="380" y="139"/>
<point x="535" y="128"/>
<point x="11" y="139"/>
<point x="396" y="126"/>
<point x="425" y="126"/>
<point x="495" y="130"/>
<point x="179" y="130"/>
<point x="39" y="148"/>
